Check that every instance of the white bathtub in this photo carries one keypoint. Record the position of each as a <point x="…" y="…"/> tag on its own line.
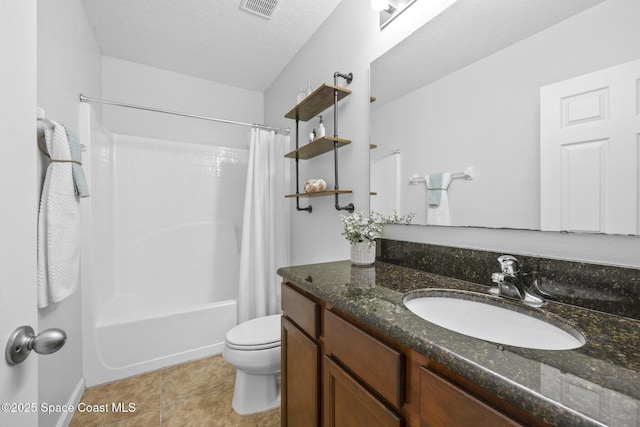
<point x="160" y="255"/>
<point x="138" y="345"/>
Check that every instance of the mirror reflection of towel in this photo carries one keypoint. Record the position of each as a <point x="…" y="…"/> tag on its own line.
<point x="434" y="185"/>
<point x="439" y="214"/>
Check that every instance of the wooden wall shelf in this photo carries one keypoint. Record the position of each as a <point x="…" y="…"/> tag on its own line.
<point x="320" y="193"/>
<point x="318" y="101"/>
<point x="313" y="105"/>
<point x="316" y="148"/>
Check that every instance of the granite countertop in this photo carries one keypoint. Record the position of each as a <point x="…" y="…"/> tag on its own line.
<point x="596" y="384"/>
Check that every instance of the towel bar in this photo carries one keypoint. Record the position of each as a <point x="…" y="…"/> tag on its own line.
<point x="468" y="173"/>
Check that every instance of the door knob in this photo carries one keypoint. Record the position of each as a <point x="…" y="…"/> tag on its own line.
<point x="23" y="340"/>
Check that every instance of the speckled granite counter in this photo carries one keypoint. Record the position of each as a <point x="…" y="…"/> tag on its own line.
<point x="597" y="384"/>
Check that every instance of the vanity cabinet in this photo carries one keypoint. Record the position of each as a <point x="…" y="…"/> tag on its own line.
<point x="444" y="404"/>
<point x="337" y="371"/>
<point x="374" y="363"/>
<point x="300" y="360"/>
<point x="350" y="404"/>
<point x="363" y="377"/>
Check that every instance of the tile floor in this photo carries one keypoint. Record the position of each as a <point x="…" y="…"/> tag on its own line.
<point x="194" y="394"/>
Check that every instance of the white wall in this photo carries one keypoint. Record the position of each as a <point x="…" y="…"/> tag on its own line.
<point x="68" y="63"/>
<point x="133" y="83"/>
<point x="348" y="41"/>
<point x="487" y="115"/>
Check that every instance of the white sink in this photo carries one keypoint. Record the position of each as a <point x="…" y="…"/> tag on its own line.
<point x="481" y="317"/>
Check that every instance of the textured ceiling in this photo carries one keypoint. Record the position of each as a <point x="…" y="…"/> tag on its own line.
<point x="210" y="39"/>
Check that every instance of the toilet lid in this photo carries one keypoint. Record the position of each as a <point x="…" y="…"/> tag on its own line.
<point x="256" y="332"/>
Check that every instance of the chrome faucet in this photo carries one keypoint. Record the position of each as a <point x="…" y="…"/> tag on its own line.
<point x="511" y="284"/>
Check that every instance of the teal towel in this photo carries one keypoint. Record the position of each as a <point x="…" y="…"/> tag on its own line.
<point x="435" y="189"/>
<point x="79" y="180"/>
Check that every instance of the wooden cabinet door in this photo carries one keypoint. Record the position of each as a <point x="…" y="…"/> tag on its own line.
<point x="444" y="404"/>
<point x="300" y="378"/>
<point x="348" y="404"/>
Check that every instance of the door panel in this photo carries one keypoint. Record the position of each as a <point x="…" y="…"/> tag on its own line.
<point x="589" y="128"/>
<point x="18" y="188"/>
<point x="300" y="386"/>
<point x="349" y="404"/>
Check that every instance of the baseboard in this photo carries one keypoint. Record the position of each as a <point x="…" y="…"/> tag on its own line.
<point x="74" y="399"/>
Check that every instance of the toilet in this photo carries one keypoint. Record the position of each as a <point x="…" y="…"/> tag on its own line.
<point x="253" y="349"/>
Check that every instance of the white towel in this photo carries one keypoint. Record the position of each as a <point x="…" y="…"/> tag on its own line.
<point x="58" y="224"/>
<point x="439" y="215"/>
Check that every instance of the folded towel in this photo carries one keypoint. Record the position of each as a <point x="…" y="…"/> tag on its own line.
<point x="439" y="214"/>
<point x="79" y="180"/>
<point x="58" y="223"/>
<point x="434" y="184"/>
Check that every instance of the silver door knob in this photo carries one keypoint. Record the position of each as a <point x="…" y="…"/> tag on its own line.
<point x="23" y="340"/>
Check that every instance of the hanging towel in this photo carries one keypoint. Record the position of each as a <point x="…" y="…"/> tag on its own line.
<point x="439" y="214"/>
<point x="58" y="223"/>
<point x="435" y="188"/>
<point x="79" y="180"/>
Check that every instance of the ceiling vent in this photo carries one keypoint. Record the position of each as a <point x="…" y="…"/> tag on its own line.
<point x="262" y="8"/>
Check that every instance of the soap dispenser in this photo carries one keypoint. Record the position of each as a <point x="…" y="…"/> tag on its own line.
<point x="321" y="131"/>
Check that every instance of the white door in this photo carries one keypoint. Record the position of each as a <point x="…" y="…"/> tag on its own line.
<point x="589" y="128"/>
<point x="18" y="205"/>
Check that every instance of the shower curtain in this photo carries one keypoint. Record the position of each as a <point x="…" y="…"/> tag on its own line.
<point x="265" y="227"/>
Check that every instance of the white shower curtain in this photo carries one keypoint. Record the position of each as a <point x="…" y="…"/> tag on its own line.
<point x="265" y="226"/>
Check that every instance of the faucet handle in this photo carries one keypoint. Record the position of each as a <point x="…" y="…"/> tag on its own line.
<point x="509" y="264"/>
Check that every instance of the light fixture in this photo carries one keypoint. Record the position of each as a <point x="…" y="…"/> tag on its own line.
<point x="390" y="9"/>
<point x="379" y="5"/>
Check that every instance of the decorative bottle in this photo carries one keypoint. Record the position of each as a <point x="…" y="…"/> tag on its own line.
<point x="309" y="90"/>
<point x="321" y="131"/>
<point x="301" y="94"/>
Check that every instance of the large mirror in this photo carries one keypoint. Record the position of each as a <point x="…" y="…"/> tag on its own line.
<point x="461" y="96"/>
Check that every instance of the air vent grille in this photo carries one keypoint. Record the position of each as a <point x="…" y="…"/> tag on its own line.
<point x="262" y="8"/>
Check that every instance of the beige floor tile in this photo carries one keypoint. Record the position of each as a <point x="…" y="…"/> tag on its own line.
<point x="211" y="409"/>
<point x="268" y="418"/>
<point x="143" y="391"/>
<point x="84" y="420"/>
<point x="147" y="419"/>
<point x="195" y="378"/>
<point x="194" y="394"/>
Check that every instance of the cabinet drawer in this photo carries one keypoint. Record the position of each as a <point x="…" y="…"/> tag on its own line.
<point x="444" y="404"/>
<point x="378" y="365"/>
<point x="304" y="312"/>
<point x="347" y="403"/>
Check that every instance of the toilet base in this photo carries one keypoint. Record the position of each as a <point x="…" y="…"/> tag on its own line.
<point x="255" y="393"/>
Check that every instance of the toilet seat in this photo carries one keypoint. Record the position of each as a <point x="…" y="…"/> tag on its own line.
<point x="255" y="334"/>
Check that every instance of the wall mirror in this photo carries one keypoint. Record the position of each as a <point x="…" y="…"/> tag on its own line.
<point x="464" y="91"/>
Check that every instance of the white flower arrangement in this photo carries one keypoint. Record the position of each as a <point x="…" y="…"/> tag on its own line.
<point x="360" y="229"/>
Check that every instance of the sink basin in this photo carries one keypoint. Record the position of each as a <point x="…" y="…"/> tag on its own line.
<point x="490" y="318"/>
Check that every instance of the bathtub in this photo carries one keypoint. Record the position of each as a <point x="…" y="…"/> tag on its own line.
<point x="139" y="345"/>
<point x="160" y="251"/>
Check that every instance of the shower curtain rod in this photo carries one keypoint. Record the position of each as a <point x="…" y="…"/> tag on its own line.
<point x="177" y="113"/>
